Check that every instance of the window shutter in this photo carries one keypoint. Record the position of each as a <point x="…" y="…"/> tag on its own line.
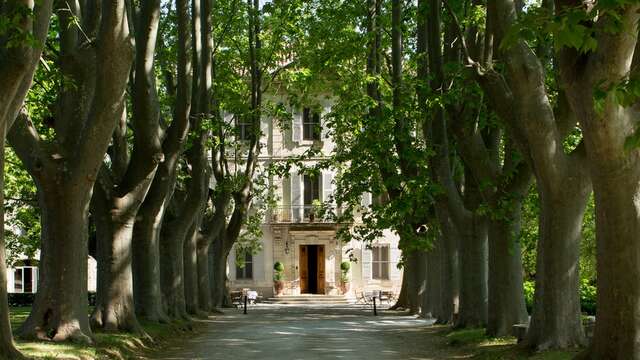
<point x="366" y="200"/>
<point x="327" y="186"/>
<point x="236" y="128"/>
<point x="395" y="254"/>
<point x="296" y="126"/>
<point x="366" y="264"/>
<point x="324" y="134"/>
<point x="249" y="266"/>
<point x="264" y="136"/>
<point x="10" y="277"/>
<point x="296" y="197"/>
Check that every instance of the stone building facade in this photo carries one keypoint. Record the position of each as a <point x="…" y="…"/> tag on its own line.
<point x="304" y="243"/>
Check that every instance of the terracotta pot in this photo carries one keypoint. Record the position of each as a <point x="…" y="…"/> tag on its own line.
<point x="344" y="287"/>
<point x="278" y="287"/>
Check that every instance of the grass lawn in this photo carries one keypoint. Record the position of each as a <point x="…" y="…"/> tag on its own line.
<point x="474" y="341"/>
<point x="107" y="345"/>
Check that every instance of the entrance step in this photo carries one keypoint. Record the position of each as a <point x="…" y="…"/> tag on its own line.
<point x="309" y="299"/>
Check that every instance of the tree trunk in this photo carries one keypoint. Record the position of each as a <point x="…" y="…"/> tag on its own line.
<point x="441" y="294"/>
<point x="618" y="263"/>
<point x="449" y="269"/>
<point x="220" y="254"/>
<point x="115" y="308"/>
<point x="7" y="347"/>
<point x="174" y="235"/>
<point x="17" y="66"/>
<point x="473" y="274"/>
<point x="556" y="321"/>
<point x="204" y="281"/>
<point x="416" y="280"/>
<point x="618" y="259"/>
<point x="65" y="173"/>
<point x="191" y="269"/>
<point x="615" y="171"/>
<point x="172" y="267"/>
<point x="403" y="297"/>
<point x="146" y="267"/>
<point x="432" y="301"/>
<point x="506" y="292"/>
<point x="61" y="304"/>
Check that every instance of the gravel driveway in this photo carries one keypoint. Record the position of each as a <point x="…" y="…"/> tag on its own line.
<point x="312" y="332"/>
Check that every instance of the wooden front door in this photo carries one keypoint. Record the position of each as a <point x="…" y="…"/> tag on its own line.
<point x="320" y="271"/>
<point x="304" y="269"/>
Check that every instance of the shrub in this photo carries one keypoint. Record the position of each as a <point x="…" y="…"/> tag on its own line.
<point x="529" y="290"/>
<point x="26" y="299"/>
<point x="278" y="267"/>
<point x="587" y="296"/>
<point x="21" y="299"/>
<point x="345" y="266"/>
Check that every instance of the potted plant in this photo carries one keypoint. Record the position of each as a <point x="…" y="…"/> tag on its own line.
<point x="316" y="209"/>
<point x="278" y="278"/>
<point x="344" y="276"/>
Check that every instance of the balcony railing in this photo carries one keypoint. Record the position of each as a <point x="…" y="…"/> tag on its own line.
<point x="302" y="214"/>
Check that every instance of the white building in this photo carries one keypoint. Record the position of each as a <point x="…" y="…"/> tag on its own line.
<point x="304" y="243"/>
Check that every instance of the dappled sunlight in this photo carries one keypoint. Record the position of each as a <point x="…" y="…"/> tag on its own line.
<point x="331" y="332"/>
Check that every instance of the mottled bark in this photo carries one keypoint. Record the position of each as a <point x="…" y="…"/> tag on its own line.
<point x="65" y="172"/>
<point x="615" y="170"/>
<point x="538" y="129"/>
<point x="556" y="321"/>
<point x="19" y="62"/>
<point x="238" y="186"/>
<point x="442" y="286"/>
<point x="60" y="307"/>
<point x="472" y="311"/>
<point x="147" y="229"/>
<point x="146" y="267"/>
<point x="451" y="209"/>
<point x="205" y="302"/>
<point x="123" y="192"/>
<point x="450" y="274"/>
<point x="17" y="66"/>
<point x="176" y="229"/>
<point x="403" y="297"/>
<point x="172" y="266"/>
<point x="506" y="291"/>
<point x="617" y="224"/>
<point x="433" y="301"/>
<point x="191" y="268"/>
<point x="115" y="309"/>
<point x="416" y="280"/>
<point x="7" y="347"/>
<point x="219" y="291"/>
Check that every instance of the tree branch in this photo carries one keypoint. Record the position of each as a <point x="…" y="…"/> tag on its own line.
<point x="26" y="142"/>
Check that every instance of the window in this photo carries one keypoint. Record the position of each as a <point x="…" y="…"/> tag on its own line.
<point x="245" y="272"/>
<point x="17" y="280"/>
<point x="311" y="193"/>
<point x="244" y="128"/>
<point x="310" y="125"/>
<point x="311" y="189"/>
<point x="380" y="262"/>
<point x="25" y="279"/>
